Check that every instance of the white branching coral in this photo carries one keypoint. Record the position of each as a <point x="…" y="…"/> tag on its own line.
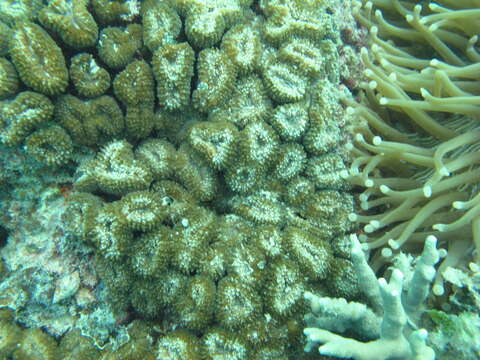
<point x="390" y="322"/>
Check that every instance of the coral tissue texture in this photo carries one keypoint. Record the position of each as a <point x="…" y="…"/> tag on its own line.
<point x="416" y="134"/>
<point x="205" y="143"/>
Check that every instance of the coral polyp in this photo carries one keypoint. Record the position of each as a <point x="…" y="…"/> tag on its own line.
<point x="72" y="21"/>
<point x="38" y="59"/>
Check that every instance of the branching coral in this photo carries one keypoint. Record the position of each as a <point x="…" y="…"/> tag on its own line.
<point x="416" y="145"/>
<point x="398" y="336"/>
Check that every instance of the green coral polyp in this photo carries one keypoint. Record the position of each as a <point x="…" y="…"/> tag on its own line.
<point x="263" y="207"/>
<point x="259" y="143"/>
<point x="38" y="59"/>
<point x="243" y="46"/>
<point x="343" y="281"/>
<point x="89" y="79"/>
<point x="196" y="308"/>
<point x="242" y="177"/>
<point x="14" y="11"/>
<point x="285" y="288"/>
<point x="142" y="210"/>
<point x="290" y="121"/>
<point x="20" y="116"/>
<point x="179" y="345"/>
<point x="312" y="254"/>
<point x="152" y="251"/>
<point x="290" y="161"/>
<point x="51" y="146"/>
<point x="236" y="304"/>
<point x="72" y="21"/>
<point x="91" y="122"/>
<point x="173" y="69"/>
<point x="296" y="17"/>
<point x="304" y="54"/>
<point x="325" y="171"/>
<point x="195" y="174"/>
<point x="249" y="102"/>
<point x="220" y="341"/>
<point x="9" y="83"/>
<point x="115" y="171"/>
<point x="112" y="11"/>
<point x="4" y="40"/>
<point x="161" y="24"/>
<point x="82" y="210"/>
<point x="134" y="86"/>
<point x="299" y="190"/>
<point x="205" y="29"/>
<point x="117" y="46"/>
<point x="215" y="141"/>
<point x="158" y="155"/>
<point x="216" y="77"/>
<point x="284" y="83"/>
<point x="110" y="233"/>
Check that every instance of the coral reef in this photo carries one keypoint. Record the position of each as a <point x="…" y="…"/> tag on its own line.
<point x="455" y="336"/>
<point x="161" y="24"/>
<point x="134" y="86"/>
<point x="203" y="144"/>
<point x="416" y="130"/>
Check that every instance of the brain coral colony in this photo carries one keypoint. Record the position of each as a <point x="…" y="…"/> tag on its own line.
<point x="214" y="198"/>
